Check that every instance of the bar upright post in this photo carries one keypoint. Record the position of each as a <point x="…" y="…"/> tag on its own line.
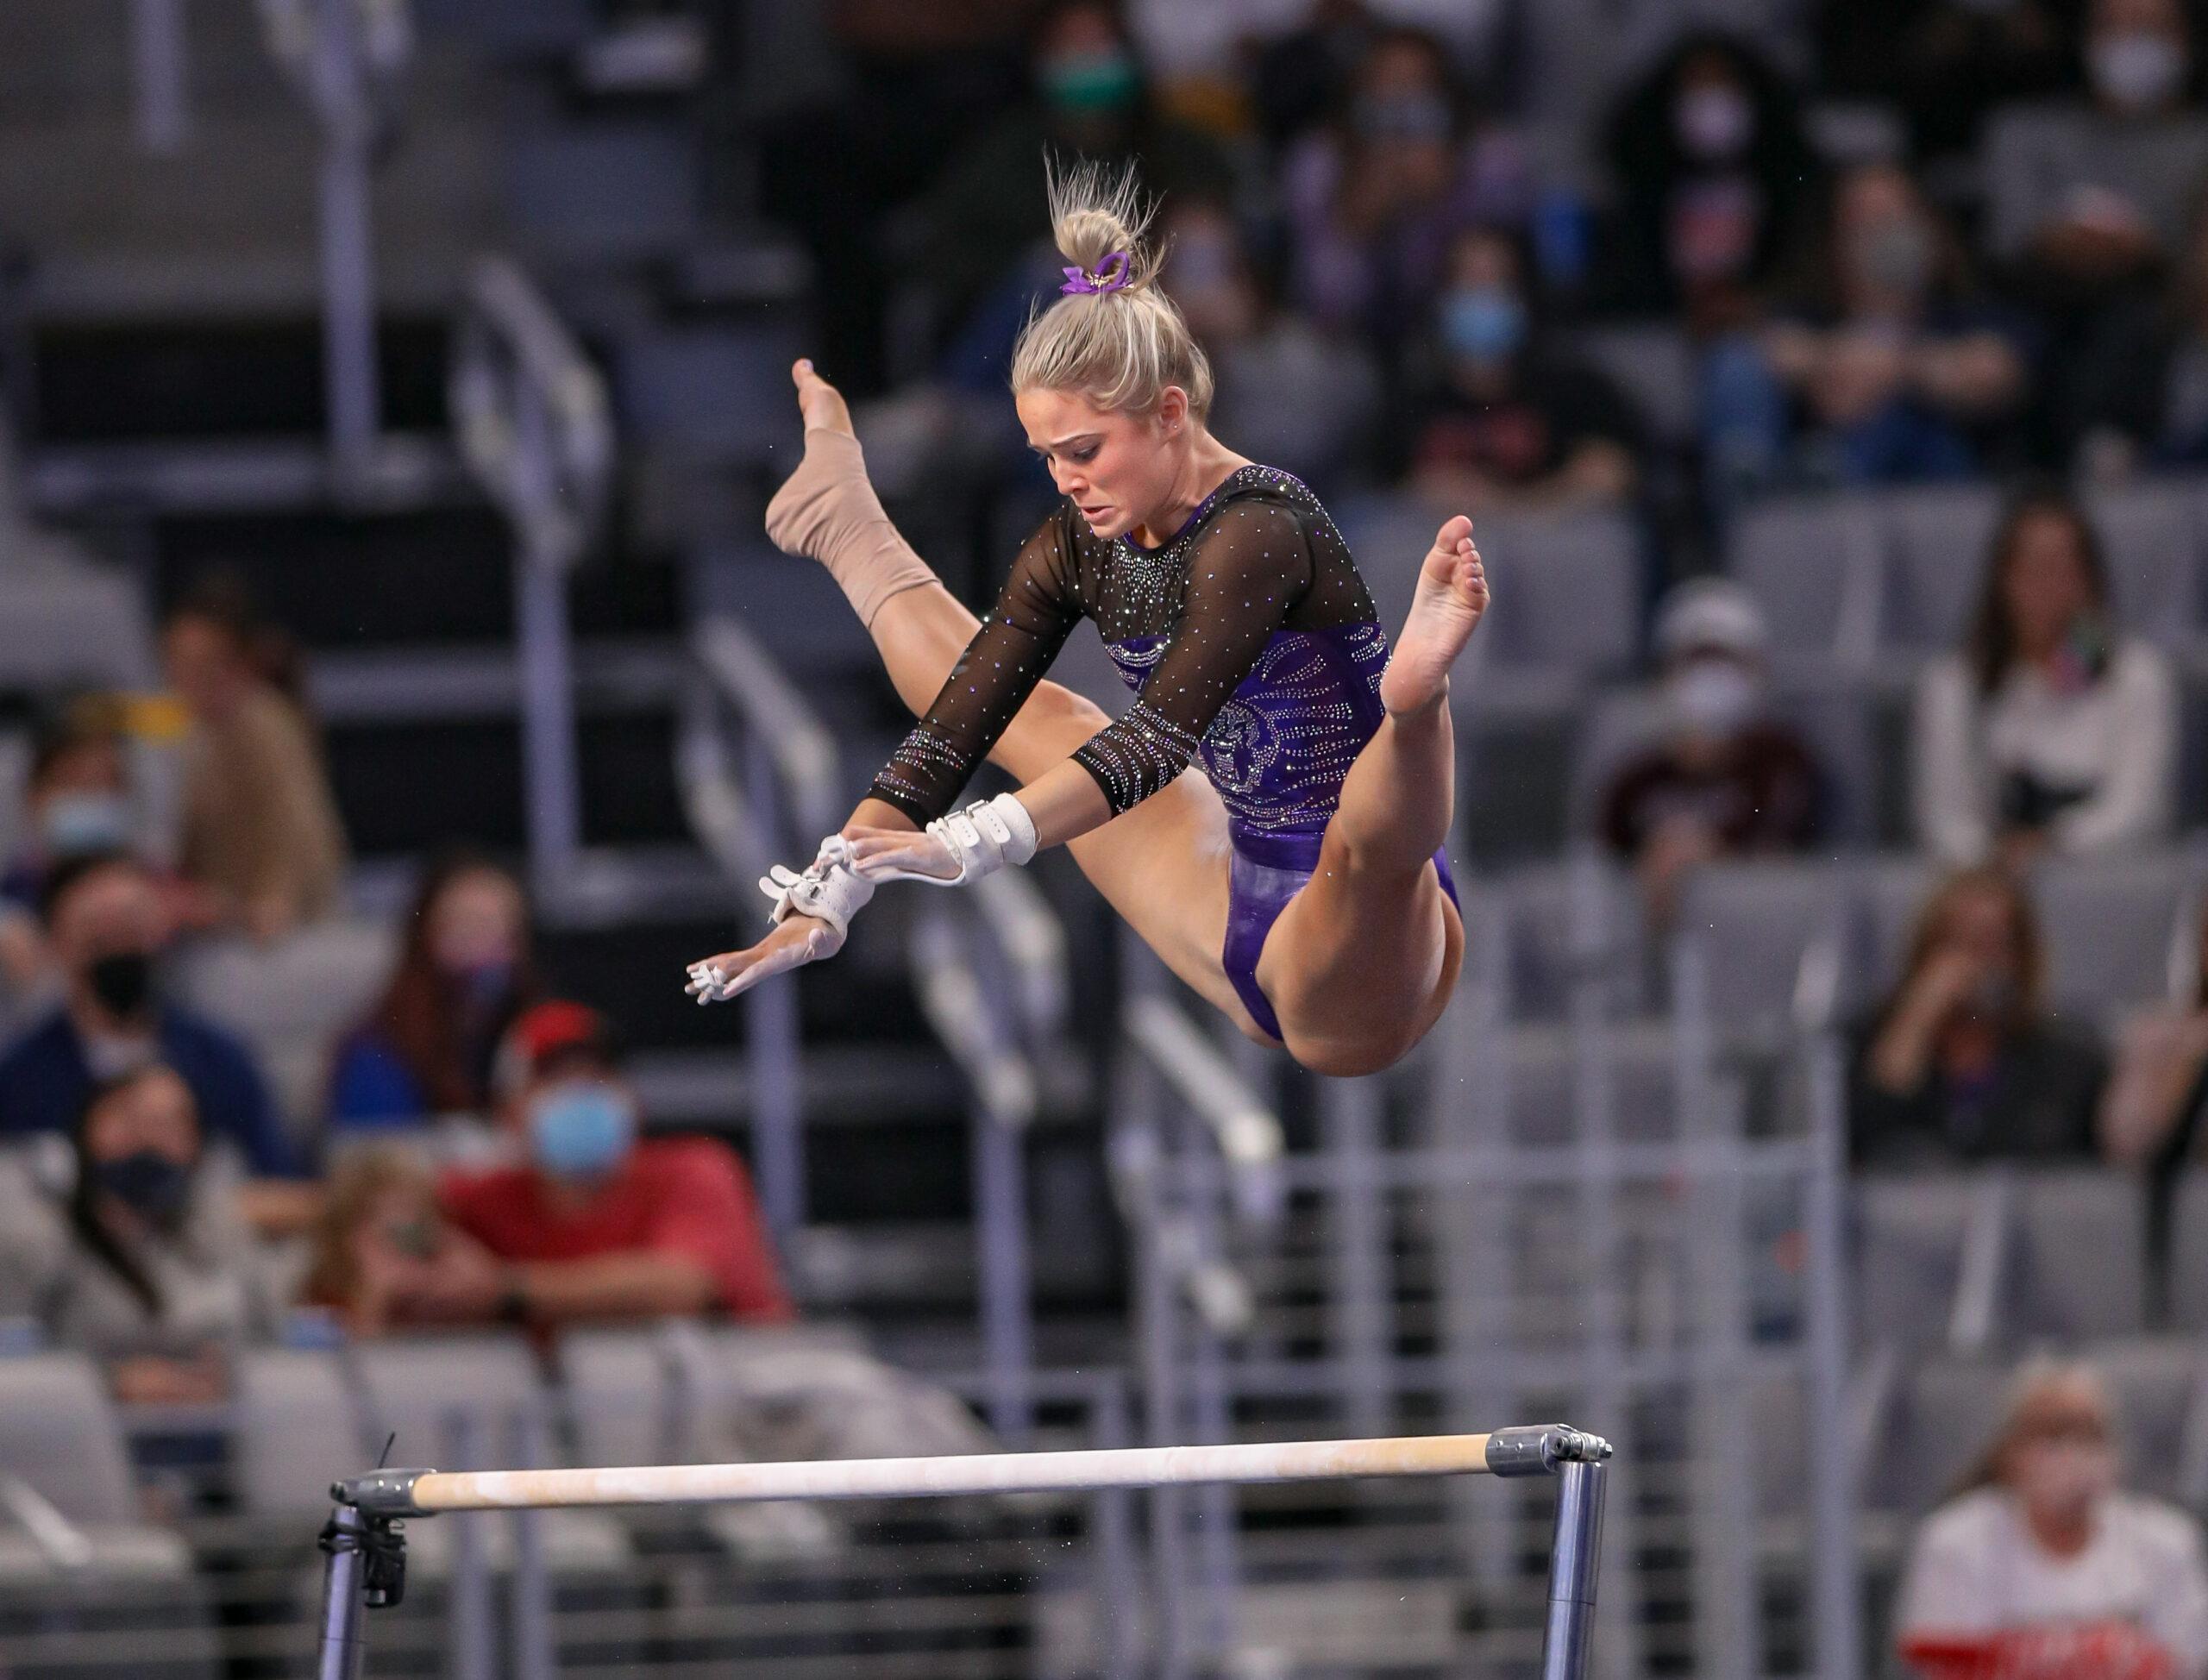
<point x="1574" y="1561"/>
<point x="344" y="1596"/>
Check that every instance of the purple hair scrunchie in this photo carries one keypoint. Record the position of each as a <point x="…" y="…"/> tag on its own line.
<point x="1109" y="275"/>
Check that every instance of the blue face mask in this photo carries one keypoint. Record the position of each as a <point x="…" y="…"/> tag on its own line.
<point x="72" y="824"/>
<point x="1483" y="322"/>
<point x="582" y="1130"/>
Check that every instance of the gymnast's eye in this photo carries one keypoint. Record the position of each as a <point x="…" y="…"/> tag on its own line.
<point x="1088" y="454"/>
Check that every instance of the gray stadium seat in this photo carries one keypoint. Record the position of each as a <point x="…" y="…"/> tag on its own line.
<point x="1544" y="1083"/>
<point x="606" y="192"/>
<point x="1888" y="894"/>
<point x="1908" y="1256"/>
<point x="1758" y="920"/>
<point x="1807" y="560"/>
<point x="1946" y="1417"/>
<point x="1544" y="958"/>
<point x="68" y="623"/>
<point x="1567" y="589"/>
<point x="2155" y="1383"/>
<point x="2108" y="923"/>
<point x="291" y="1000"/>
<point x="621" y="1404"/>
<point x="1939" y="539"/>
<point x="2188" y="1255"/>
<point x="2081" y="1267"/>
<point x="61" y="1438"/>
<point x="1655" y="367"/>
<point x="709" y="395"/>
<point x="2151" y="536"/>
<point x="423" y="1387"/>
<point x="299" y="1430"/>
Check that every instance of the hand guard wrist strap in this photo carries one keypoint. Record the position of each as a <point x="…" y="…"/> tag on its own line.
<point x="986" y="836"/>
<point x="829" y="891"/>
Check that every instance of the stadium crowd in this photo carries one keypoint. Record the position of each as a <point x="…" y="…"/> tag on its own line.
<point x="1934" y="242"/>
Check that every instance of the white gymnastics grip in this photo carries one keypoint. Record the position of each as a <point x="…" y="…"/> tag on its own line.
<point x="986" y="836"/>
<point x="830" y="890"/>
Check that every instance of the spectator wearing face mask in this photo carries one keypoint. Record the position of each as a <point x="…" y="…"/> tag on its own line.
<point x="597" y="1224"/>
<point x="1890" y="371"/>
<point x="105" y="922"/>
<point x="1292" y="396"/>
<point x="76" y="801"/>
<point x="1714" y="170"/>
<point x="148" y="1263"/>
<point x="2135" y="398"/>
<point x="1962" y="1063"/>
<point x="1723" y="778"/>
<point x="464" y="973"/>
<point x="1373" y="198"/>
<point x="1948" y="64"/>
<point x="2049" y="731"/>
<point x="1090" y="100"/>
<point x="2089" y="198"/>
<point x="2040" y="1564"/>
<point x="1510" y="421"/>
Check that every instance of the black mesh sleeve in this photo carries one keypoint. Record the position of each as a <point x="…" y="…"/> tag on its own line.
<point x="1245" y="574"/>
<point x="993" y="678"/>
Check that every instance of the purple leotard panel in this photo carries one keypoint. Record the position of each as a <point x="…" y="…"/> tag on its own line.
<point x="1278" y="752"/>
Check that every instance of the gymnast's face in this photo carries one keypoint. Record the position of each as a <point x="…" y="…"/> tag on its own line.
<point x="1120" y="469"/>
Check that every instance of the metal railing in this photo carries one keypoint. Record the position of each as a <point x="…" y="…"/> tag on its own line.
<point x="534" y="426"/>
<point x="989" y="967"/>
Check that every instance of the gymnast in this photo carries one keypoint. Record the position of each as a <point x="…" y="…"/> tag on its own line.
<point x="1299" y="882"/>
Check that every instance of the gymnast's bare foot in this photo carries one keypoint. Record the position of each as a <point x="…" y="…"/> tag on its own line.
<point x="821" y="403"/>
<point x="801" y="518"/>
<point x="1452" y="595"/>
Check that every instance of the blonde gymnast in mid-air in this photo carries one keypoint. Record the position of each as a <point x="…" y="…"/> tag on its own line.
<point x="1300" y="882"/>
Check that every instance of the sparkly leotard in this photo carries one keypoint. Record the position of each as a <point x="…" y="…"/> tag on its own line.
<point x="1252" y="645"/>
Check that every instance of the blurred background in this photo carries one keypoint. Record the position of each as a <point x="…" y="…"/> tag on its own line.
<point x="397" y="691"/>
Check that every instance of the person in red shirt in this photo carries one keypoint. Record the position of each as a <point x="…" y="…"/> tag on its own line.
<point x="595" y="1225"/>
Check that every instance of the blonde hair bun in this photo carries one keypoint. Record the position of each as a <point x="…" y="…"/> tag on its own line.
<point x="1114" y="336"/>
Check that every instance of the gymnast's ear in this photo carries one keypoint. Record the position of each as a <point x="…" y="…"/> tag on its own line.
<point x="1172" y="411"/>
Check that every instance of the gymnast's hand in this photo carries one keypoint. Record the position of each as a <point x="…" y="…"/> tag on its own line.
<point x="893" y="854"/>
<point x="794" y="942"/>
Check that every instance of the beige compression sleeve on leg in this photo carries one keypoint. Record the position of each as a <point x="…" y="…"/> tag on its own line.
<point x="828" y="511"/>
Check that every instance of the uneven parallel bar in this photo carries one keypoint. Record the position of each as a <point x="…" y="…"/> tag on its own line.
<point x="1535" y="1450"/>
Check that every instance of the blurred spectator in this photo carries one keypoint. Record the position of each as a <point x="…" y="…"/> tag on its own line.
<point x="1947" y="63"/>
<point x="1287" y="395"/>
<point x="2050" y="730"/>
<point x="1713" y="170"/>
<point x="2135" y="395"/>
<point x="1884" y="374"/>
<point x="149" y="1265"/>
<point x="2089" y="197"/>
<point x="1723" y="778"/>
<point x="2042" y="1565"/>
<point x="260" y="828"/>
<point x="1091" y="99"/>
<point x="1511" y="420"/>
<point x="1373" y="198"/>
<point x="75" y="801"/>
<point x="464" y="973"/>
<point x="103" y="918"/>
<point x="1962" y="1062"/>
<point x="598" y="1224"/>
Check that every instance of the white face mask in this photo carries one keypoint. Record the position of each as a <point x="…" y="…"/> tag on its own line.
<point x="1712" y="698"/>
<point x="2135" y="69"/>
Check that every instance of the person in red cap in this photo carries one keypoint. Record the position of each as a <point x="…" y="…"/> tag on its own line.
<point x="596" y="1224"/>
